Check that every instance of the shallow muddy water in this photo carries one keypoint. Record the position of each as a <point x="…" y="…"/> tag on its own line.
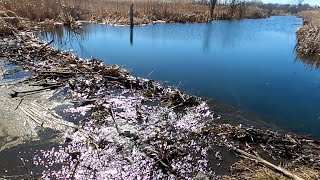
<point x="249" y="64"/>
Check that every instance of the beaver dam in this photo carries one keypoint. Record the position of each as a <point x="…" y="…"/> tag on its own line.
<point x="137" y="128"/>
<point x="214" y="60"/>
<point x="66" y="115"/>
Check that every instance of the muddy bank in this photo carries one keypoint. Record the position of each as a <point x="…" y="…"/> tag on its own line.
<point x="131" y="127"/>
<point x="308" y="36"/>
<point x="16" y="124"/>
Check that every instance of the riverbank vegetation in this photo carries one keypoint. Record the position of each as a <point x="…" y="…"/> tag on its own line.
<point x="138" y="128"/>
<point x="110" y="11"/>
<point x="308" y="35"/>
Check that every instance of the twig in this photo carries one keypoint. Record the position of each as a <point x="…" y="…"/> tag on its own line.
<point x="16" y="93"/>
<point x="74" y="168"/>
<point x="15" y="176"/>
<point x="46" y="84"/>
<point x="116" y="21"/>
<point x="114" y="120"/>
<point x="19" y="104"/>
<point x="62" y="72"/>
<point x="30" y="115"/>
<point x="46" y="109"/>
<point x="184" y="100"/>
<point x="267" y="164"/>
<point x="24" y="164"/>
<point x="46" y="45"/>
<point x="150" y="74"/>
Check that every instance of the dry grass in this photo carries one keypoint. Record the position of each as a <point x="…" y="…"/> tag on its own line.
<point x="113" y="11"/>
<point x="5" y="28"/>
<point x="311" y="17"/>
<point x="308" y="34"/>
<point x="9" y="21"/>
<point x="246" y="169"/>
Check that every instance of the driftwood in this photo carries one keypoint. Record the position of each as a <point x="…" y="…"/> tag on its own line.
<point x="267" y="164"/>
<point x="21" y="93"/>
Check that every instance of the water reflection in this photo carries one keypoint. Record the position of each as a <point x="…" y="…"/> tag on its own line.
<point x="67" y="37"/>
<point x="131" y="36"/>
<point x="207" y="37"/>
<point x="312" y="62"/>
<point x="247" y="63"/>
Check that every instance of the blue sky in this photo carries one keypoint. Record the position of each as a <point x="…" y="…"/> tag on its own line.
<point x="312" y="2"/>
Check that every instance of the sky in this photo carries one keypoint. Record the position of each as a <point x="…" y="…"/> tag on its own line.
<point x="311" y="2"/>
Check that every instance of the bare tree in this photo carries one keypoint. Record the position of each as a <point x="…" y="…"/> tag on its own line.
<point x="242" y="9"/>
<point x="233" y="6"/>
<point x="212" y="5"/>
<point x="299" y="2"/>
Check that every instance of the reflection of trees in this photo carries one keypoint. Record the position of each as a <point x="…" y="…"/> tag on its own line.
<point x="309" y="61"/>
<point x="232" y="33"/>
<point x="207" y="37"/>
<point x="66" y="37"/>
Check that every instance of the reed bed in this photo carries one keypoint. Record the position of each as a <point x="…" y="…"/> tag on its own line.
<point x="112" y="11"/>
<point x="308" y="34"/>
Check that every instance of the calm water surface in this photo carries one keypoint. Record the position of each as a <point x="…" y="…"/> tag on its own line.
<point x="250" y="64"/>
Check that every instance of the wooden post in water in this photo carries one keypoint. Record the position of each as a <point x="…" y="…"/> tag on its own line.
<point x="131" y="36"/>
<point x="131" y="16"/>
<point x="131" y="24"/>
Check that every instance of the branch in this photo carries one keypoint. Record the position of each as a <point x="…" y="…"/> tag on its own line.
<point x="267" y="164"/>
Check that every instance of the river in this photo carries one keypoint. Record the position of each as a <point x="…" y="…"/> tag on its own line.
<point x="248" y="64"/>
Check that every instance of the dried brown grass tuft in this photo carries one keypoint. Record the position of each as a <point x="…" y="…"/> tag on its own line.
<point x="111" y="11"/>
<point x="5" y="28"/>
<point x="246" y="169"/>
<point x="308" y="34"/>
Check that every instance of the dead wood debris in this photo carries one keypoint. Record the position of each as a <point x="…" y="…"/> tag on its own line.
<point x="140" y="139"/>
<point x="283" y="150"/>
<point x="56" y="68"/>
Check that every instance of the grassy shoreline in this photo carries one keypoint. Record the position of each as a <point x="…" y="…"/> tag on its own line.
<point x="117" y="12"/>
<point x="126" y="136"/>
<point x="308" y="35"/>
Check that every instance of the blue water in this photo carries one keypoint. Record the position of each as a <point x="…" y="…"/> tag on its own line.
<point x="250" y="64"/>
